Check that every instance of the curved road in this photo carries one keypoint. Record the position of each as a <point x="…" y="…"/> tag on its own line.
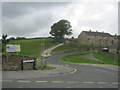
<point x="85" y="76"/>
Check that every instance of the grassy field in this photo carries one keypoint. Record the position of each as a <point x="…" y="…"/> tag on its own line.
<point x="85" y="58"/>
<point x="32" y="47"/>
<point x="67" y="47"/>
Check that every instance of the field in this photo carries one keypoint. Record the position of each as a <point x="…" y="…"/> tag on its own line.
<point x="67" y="47"/>
<point x="90" y="57"/>
<point x="32" y="47"/>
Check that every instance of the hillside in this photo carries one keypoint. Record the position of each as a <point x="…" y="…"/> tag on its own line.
<point x="32" y="47"/>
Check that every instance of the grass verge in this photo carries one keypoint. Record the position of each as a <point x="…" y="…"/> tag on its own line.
<point x="83" y="58"/>
<point x="40" y="66"/>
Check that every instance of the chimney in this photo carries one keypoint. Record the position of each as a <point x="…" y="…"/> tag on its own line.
<point x="102" y="31"/>
<point x="90" y="30"/>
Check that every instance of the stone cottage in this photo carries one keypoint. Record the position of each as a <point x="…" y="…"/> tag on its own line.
<point x="96" y="38"/>
<point x="114" y="49"/>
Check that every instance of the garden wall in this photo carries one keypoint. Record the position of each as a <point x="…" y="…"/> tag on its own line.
<point x="14" y="62"/>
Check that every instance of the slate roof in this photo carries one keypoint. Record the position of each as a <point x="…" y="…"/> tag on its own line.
<point x="98" y="34"/>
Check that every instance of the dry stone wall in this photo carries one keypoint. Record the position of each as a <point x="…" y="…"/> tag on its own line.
<point x="14" y="62"/>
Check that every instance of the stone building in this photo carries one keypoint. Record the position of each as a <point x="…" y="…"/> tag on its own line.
<point x="96" y="38"/>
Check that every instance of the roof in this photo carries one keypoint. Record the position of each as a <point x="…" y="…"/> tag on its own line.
<point x="97" y="33"/>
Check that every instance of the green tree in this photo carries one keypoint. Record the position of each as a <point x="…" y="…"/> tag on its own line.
<point x="60" y="29"/>
<point x="4" y="41"/>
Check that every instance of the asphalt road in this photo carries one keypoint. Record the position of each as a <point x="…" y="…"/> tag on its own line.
<point x="85" y="76"/>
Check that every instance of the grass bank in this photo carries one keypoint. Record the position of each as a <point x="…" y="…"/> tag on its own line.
<point x="32" y="47"/>
<point x="67" y="47"/>
<point x="90" y="57"/>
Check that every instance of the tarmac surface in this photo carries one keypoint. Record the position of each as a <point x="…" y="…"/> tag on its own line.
<point x="81" y="76"/>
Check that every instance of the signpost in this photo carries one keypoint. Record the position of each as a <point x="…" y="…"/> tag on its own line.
<point x="28" y="61"/>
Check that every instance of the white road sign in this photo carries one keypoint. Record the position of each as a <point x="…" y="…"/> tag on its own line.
<point x="13" y="48"/>
<point x="17" y="48"/>
<point x="10" y="48"/>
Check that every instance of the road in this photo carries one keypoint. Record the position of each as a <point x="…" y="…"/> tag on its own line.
<point x="85" y="76"/>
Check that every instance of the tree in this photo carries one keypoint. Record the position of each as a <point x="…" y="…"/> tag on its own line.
<point x="60" y="29"/>
<point x="4" y="41"/>
<point x="12" y="38"/>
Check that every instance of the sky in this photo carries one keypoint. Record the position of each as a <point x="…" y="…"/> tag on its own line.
<point x="34" y="19"/>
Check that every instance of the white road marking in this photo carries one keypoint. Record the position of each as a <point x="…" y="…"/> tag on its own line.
<point x="23" y="81"/>
<point x="57" y="81"/>
<point x="74" y="71"/>
<point x="20" y="87"/>
<point x="88" y="82"/>
<point x="73" y="82"/>
<point x="41" y="81"/>
<point x="114" y="83"/>
<point x="7" y="81"/>
<point x="102" y="82"/>
<point x="66" y="65"/>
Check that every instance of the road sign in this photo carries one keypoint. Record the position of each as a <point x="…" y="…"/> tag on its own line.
<point x="10" y="48"/>
<point x="27" y="61"/>
<point x="17" y="48"/>
<point x="13" y="48"/>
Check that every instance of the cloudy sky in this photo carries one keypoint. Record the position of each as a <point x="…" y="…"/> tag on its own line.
<point x="34" y="19"/>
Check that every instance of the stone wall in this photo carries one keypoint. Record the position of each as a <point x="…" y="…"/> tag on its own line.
<point x="14" y="62"/>
<point x="86" y="39"/>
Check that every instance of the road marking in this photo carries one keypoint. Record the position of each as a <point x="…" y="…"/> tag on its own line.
<point x="7" y="81"/>
<point x="57" y="81"/>
<point x="20" y="87"/>
<point x="22" y="81"/>
<point x="73" y="82"/>
<point x="102" y="82"/>
<point x="74" y="71"/>
<point x="114" y="83"/>
<point x="88" y="82"/>
<point x="66" y="65"/>
<point x="41" y="81"/>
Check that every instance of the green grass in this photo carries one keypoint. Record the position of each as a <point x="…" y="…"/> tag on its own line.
<point x="107" y="59"/>
<point x="82" y="58"/>
<point x="40" y="66"/>
<point x="32" y="47"/>
<point x="68" y="47"/>
<point x="65" y="47"/>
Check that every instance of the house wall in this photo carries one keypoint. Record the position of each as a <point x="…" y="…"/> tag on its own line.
<point x="82" y="38"/>
<point x="86" y="39"/>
